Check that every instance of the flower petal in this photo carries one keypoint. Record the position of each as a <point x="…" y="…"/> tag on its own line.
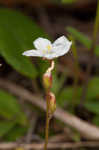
<point x="42" y="43"/>
<point x="50" y="55"/>
<point x="60" y="41"/>
<point x="32" y="53"/>
<point x="61" y="46"/>
<point x="62" y="50"/>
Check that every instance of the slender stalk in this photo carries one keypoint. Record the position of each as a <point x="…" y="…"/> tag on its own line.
<point x="47" y="107"/>
<point x="92" y="50"/>
<point x="47" y="121"/>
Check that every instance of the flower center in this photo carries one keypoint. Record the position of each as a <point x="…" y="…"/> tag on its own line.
<point x="49" y="48"/>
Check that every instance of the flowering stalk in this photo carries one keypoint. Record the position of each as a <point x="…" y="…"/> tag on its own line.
<point x="48" y="50"/>
<point x="47" y="81"/>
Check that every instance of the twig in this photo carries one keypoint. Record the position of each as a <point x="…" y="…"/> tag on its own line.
<point x="87" y="130"/>
<point x="58" y="145"/>
<point x="58" y="137"/>
<point x="29" y="135"/>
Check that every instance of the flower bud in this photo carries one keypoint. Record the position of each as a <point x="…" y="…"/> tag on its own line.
<point x="47" y="80"/>
<point x="52" y="103"/>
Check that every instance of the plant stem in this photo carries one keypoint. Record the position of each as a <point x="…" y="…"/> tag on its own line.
<point x="92" y="49"/>
<point x="47" y="108"/>
<point x="47" y="121"/>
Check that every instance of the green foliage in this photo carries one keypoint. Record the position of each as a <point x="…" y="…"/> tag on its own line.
<point x="92" y="106"/>
<point x="66" y="96"/>
<point x="57" y="82"/>
<point x="93" y="89"/>
<point x="17" y="33"/>
<point x="5" y="127"/>
<point x="96" y="120"/>
<point x="92" y="97"/>
<point x="83" y="39"/>
<point x="10" y="109"/>
<point x="79" y="36"/>
<point x="15" y="133"/>
<point x="92" y="103"/>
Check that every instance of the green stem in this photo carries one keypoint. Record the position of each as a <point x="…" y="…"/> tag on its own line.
<point x="47" y="108"/>
<point x="92" y="49"/>
<point x="47" y="121"/>
<point x="96" y="25"/>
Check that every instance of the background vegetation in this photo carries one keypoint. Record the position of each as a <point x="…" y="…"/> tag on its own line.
<point x="76" y="77"/>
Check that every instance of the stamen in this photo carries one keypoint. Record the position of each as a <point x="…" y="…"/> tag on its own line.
<point x="49" y="47"/>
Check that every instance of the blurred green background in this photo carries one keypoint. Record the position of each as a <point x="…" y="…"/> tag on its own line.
<point x="76" y="76"/>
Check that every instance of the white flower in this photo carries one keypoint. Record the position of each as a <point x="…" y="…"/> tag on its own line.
<point x="48" y="50"/>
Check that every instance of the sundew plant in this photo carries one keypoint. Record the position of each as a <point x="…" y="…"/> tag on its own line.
<point x="49" y="74"/>
<point x="49" y="51"/>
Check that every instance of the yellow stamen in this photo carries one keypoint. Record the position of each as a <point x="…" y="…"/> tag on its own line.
<point x="49" y="47"/>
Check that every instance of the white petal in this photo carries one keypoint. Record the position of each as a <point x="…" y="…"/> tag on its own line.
<point x="62" y="50"/>
<point x="50" y="56"/>
<point x="42" y="43"/>
<point x="61" y="46"/>
<point x="32" y="53"/>
<point x="60" y="41"/>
